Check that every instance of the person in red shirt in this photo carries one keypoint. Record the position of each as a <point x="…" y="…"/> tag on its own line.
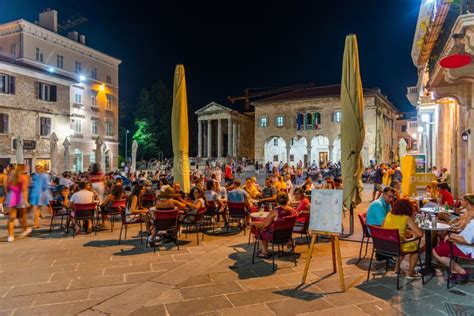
<point x="445" y="195"/>
<point x="228" y="174"/>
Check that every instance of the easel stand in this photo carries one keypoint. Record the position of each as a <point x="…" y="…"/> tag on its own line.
<point x="336" y="256"/>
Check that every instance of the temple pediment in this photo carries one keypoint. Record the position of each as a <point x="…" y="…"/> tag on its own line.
<point x="213" y="107"/>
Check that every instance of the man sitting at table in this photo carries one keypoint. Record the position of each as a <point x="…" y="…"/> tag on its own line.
<point x="269" y="193"/>
<point x="251" y="189"/>
<point x="82" y="196"/>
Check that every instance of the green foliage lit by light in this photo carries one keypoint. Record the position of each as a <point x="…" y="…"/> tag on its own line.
<point x="142" y="134"/>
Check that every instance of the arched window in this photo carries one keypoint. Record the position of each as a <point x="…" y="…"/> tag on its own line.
<point x="308" y="121"/>
<point x="77" y="160"/>
<point x="299" y="121"/>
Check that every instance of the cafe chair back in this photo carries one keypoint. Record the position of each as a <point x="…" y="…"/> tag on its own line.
<point x="84" y="211"/>
<point x="365" y="235"/>
<point x="59" y="211"/>
<point x="167" y="220"/>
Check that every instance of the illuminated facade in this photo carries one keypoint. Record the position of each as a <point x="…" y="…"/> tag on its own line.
<point x="444" y="97"/>
<point x="50" y="83"/>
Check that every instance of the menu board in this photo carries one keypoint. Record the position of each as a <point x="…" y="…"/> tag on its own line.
<point x="326" y="211"/>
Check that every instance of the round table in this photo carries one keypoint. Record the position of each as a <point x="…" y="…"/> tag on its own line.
<point x="429" y="248"/>
<point x="434" y="211"/>
<point x="259" y="215"/>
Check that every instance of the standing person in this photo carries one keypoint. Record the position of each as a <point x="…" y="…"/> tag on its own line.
<point x="17" y="200"/>
<point x="378" y="178"/>
<point x="446" y="177"/>
<point x="228" y="177"/>
<point x="39" y="193"/>
<point x="218" y="173"/>
<point x="3" y="189"/>
<point x="397" y="173"/>
<point x="96" y="177"/>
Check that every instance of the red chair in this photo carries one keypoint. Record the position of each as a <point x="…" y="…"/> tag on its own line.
<point x="148" y="200"/>
<point x="196" y="220"/>
<point x="85" y="211"/>
<point x="387" y="243"/>
<point x="365" y="234"/>
<point x="114" y="209"/>
<point x="302" y="227"/>
<point x="59" y="211"/>
<point x="455" y="258"/>
<point x="278" y="233"/>
<point x="237" y="212"/>
<point x="212" y="211"/>
<point x="130" y="219"/>
<point x="167" y="220"/>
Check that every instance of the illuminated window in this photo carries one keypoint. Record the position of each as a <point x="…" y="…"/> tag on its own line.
<point x="94" y="126"/>
<point x="94" y="73"/>
<point x="45" y="126"/>
<point x="280" y="121"/>
<point x="108" y="129"/>
<point x="337" y="116"/>
<point x="263" y="121"/>
<point x="77" y="126"/>
<point x="78" y="98"/>
<point x="110" y="100"/>
<point x="78" y="67"/>
<point x="93" y="98"/>
<point x="108" y="79"/>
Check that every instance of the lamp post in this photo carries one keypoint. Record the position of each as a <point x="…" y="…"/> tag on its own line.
<point x="126" y="142"/>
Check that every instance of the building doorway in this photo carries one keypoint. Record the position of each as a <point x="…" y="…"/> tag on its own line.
<point x="323" y="159"/>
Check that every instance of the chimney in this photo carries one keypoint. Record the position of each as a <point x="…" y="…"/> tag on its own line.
<point x="49" y="20"/>
<point x="82" y="39"/>
<point x="73" y="35"/>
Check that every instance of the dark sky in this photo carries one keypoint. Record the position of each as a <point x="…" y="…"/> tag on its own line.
<point x="227" y="46"/>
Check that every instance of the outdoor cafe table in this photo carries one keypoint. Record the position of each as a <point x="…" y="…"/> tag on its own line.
<point x="259" y="216"/>
<point x="440" y="227"/>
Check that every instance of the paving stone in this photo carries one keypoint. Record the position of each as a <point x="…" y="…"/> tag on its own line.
<point x="4" y="291"/>
<point x="255" y="296"/>
<point x="157" y="310"/>
<point x="165" y="266"/>
<point x="261" y="283"/>
<point x="8" y="303"/>
<point x="142" y="276"/>
<point x="349" y="297"/>
<point x="128" y="269"/>
<point x="232" y="275"/>
<point x="379" y="308"/>
<point x="103" y="264"/>
<point x="12" y="278"/>
<point x="61" y="309"/>
<point x="170" y="296"/>
<point x="200" y="305"/>
<point x="295" y="306"/>
<point x="346" y="310"/>
<point x="210" y="290"/>
<point x="63" y="296"/>
<point x="132" y="299"/>
<point x="108" y="291"/>
<point x="76" y="275"/>
<point x="38" y="288"/>
<point x="257" y="309"/>
<point x="196" y="280"/>
<point x="97" y="282"/>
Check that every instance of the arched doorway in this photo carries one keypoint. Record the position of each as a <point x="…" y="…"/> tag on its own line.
<point x="78" y="159"/>
<point x="320" y="150"/>
<point x="275" y="150"/>
<point x="298" y="150"/>
<point x="336" y="150"/>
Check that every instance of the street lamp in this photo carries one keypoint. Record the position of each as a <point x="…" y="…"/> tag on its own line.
<point x="126" y="142"/>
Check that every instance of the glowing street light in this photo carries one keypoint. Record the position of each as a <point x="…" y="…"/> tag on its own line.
<point x="102" y="87"/>
<point x="82" y="78"/>
<point x="50" y="69"/>
<point x="420" y="129"/>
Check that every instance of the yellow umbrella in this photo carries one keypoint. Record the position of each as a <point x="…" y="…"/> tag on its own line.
<point x="179" y="130"/>
<point x="352" y="124"/>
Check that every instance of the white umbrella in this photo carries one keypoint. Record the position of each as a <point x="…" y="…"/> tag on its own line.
<point x="66" y="145"/>
<point x="133" y="167"/>
<point x="402" y="148"/>
<point x="19" y="150"/>
<point x="98" y="152"/>
<point x="53" y="144"/>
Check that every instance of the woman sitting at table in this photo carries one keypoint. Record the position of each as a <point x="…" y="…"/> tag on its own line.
<point x="134" y="201"/>
<point x="167" y="200"/>
<point x="401" y="218"/>
<point x="282" y="210"/>
<point x="445" y="195"/>
<point x="193" y="207"/>
<point x="212" y="196"/>
<point x="302" y="209"/>
<point x="466" y="236"/>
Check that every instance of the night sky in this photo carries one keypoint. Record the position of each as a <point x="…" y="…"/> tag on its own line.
<point x="227" y="46"/>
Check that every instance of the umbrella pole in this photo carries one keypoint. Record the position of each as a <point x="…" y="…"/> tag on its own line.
<point x="351" y="223"/>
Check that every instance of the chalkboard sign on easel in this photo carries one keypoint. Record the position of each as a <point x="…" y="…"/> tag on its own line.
<point x="326" y="219"/>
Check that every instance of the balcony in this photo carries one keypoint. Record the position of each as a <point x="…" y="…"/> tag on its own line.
<point x="412" y="95"/>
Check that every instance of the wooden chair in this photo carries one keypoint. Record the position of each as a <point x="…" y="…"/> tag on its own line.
<point x="59" y="211"/>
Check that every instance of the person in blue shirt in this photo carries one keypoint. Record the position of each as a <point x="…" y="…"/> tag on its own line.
<point x="379" y="208"/>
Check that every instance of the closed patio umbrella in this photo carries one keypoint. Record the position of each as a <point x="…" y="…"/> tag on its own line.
<point x="133" y="166"/>
<point x="179" y="130"/>
<point x="19" y="150"/>
<point x="99" y="153"/>
<point x="66" y="145"/>
<point x="53" y="143"/>
<point x="352" y="126"/>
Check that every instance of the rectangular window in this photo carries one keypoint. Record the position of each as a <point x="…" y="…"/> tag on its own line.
<point x="404" y="128"/>
<point x="263" y="121"/>
<point x="108" y="79"/>
<point x="108" y="129"/>
<point x="78" y="98"/>
<point x="94" y="73"/>
<point x="280" y="121"/>
<point x="77" y="126"/>
<point x="39" y="55"/>
<point x="110" y="99"/>
<point x="78" y="67"/>
<point x="94" y="126"/>
<point x="275" y="158"/>
<point x="275" y="141"/>
<point x="7" y="84"/>
<point x="292" y="157"/>
<point x="45" y="126"/>
<point x="60" y="61"/>
<point x="337" y="116"/>
<point x="93" y="98"/>
<point x="3" y="123"/>
<point x="13" y="50"/>
<point x="47" y="92"/>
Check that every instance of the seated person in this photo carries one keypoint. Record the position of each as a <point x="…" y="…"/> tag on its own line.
<point x="237" y="195"/>
<point x="283" y="209"/>
<point x="338" y="183"/>
<point x="63" y="198"/>
<point x="269" y="192"/>
<point x="212" y="196"/>
<point x="397" y="186"/>
<point x="168" y="200"/>
<point x="193" y="207"/>
<point x="445" y="195"/>
<point x="164" y="184"/>
<point x="177" y="190"/>
<point x="116" y="194"/>
<point x="401" y="218"/>
<point x="82" y="196"/>
<point x="379" y="208"/>
<point x="308" y="185"/>
<point x="134" y="202"/>
<point x="251" y="189"/>
<point x="466" y="236"/>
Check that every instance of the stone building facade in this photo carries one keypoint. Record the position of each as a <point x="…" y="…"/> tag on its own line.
<point x="61" y="78"/>
<point x="224" y="133"/>
<point x="304" y="126"/>
<point x="444" y="97"/>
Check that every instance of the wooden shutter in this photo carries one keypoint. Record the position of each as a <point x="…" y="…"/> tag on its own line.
<point x="53" y="93"/>
<point x="3" y="123"/>
<point x="39" y="93"/>
<point x="48" y="125"/>
<point x="11" y="82"/>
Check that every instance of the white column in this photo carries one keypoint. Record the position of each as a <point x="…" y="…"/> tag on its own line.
<point x="288" y="148"/>
<point x="209" y="138"/>
<point x="199" y="139"/>
<point x="219" y="138"/>
<point x="229" y="137"/>
<point x="234" y="140"/>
